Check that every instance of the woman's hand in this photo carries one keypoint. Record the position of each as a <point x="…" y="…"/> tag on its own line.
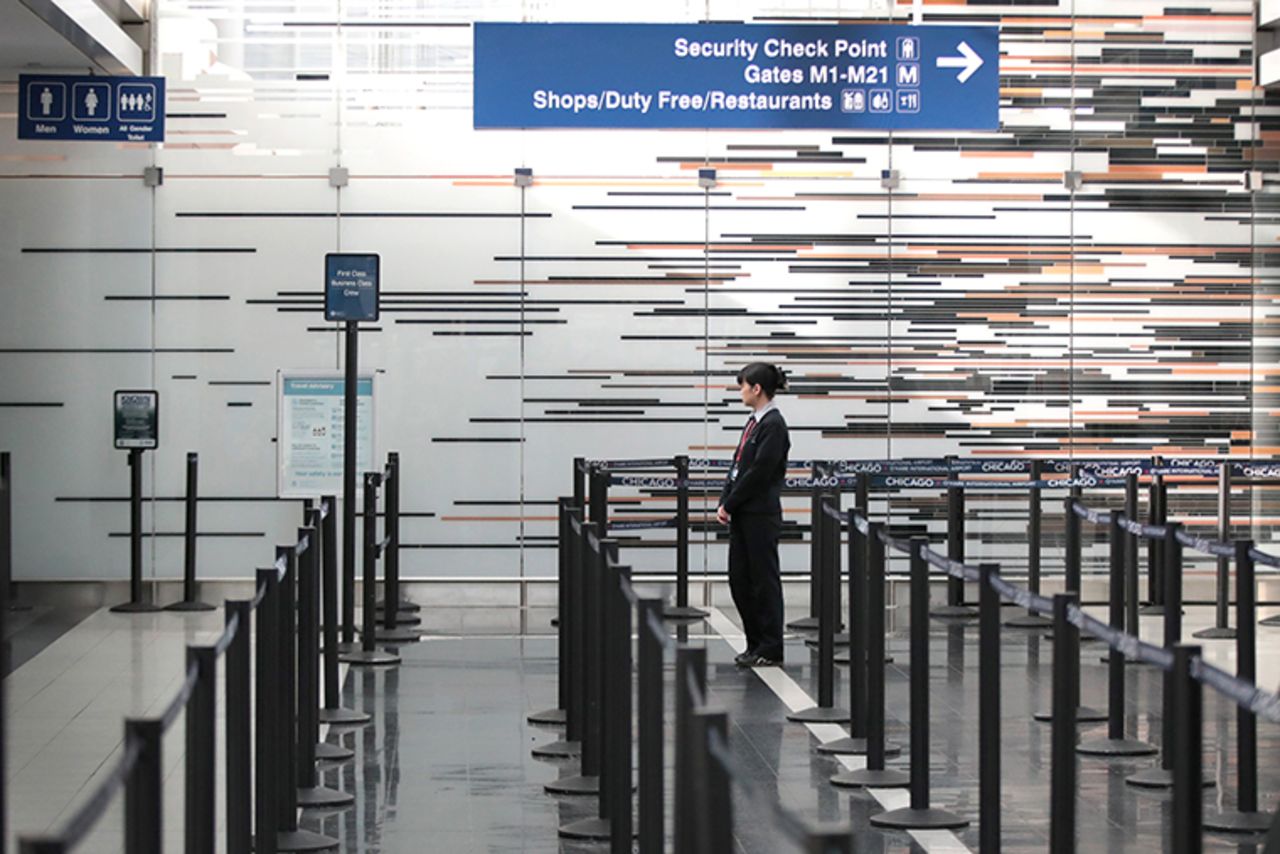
<point x="722" y="515"/>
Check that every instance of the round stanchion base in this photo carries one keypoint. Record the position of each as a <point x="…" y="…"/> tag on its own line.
<point x="397" y="635"/>
<point x="1116" y="747"/>
<point x="1159" y="778"/>
<point x="838" y="639"/>
<point x="190" y="606"/>
<point x="1128" y="662"/>
<point x="371" y="658"/>
<point x="819" y="715"/>
<point x="683" y="612"/>
<point x="845" y="658"/>
<point x="136" y="608"/>
<point x="326" y="752"/>
<point x="578" y="784"/>
<point x="1151" y="610"/>
<point x="955" y="612"/>
<point x="588" y="828"/>
<point x="324" y="798"/>
<point x="403" y="618"/>
<point x="558" y="750"/>
<point x="1084" y="715"/>
<point x="304" y="840"/>
<point x="865" y="778"/>
<point x="853" y="747"/>
<point x="344" y="717"/>
<point x="548" y="717"/>
<point x="1234" y="821"/>
<point x="804" y="624"/>
<point x="402" y="605"/>
<point x="1216" y="633"/>
<point x="926" y="819"/>
<point x="349" y="646"/>
<point x="1029" y="621"/>
<point x="1273" y="620"/>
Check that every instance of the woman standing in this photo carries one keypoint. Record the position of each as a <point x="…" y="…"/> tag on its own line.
<point x="751" y="505"/>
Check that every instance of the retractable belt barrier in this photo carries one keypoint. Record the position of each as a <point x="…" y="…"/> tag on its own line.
<point x="600" y="608"/>
<point x="271" y="728"/>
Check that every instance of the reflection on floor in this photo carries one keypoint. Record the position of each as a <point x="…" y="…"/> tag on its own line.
<point x="445" y="765"/>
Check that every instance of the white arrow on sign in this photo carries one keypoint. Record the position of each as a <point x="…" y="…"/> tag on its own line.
<point x="969" y="61"/>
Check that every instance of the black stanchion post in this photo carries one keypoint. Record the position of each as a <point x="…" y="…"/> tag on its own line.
<point x="988" y="711"/>
<point x="136" y="603"/>
<point x="1035" y="519"/>
<point x="1245" y="818"/>
<point x="1062" y="782"/>
<point x="682" y="610"/>
<point x="333" y="712"/>
<point x="564" y="650"/>
<point x="919" y="815"/>
<point x="649" y="697"/>
<point x="1221" y="628"/>
<point x="621" y="823"/>
<point x="285" y="726"/>
<point x="1115" y="744"/>
<point x="874" y="775"/>
<point x="1071" y="545"/>
<point x="716" y="799"/>
<point x="310" y="792"/>
<point x="7" y="591"/>
<point x="391" y="577"/>
<point x="396" y="619"/>
<point x="691" y="667"/>
<point x="1131" y="594"/>
<point x="1071" y="551"/>
<point x="955" y="607"/>
<point x="585" y="626"/>
<point x="189" y="601"/>
<point x="349" y="436"/>
<point x="198" y="823"/>
<point x="1155" y="559"/>
<point x="239" y="749"/>
<point x="580" y="481"/>
<point x="827" y="572"/>
<point x="1171" y="553"/>
<point x="1187" y="773"/>
<point x="858" y="620"/>
<point x="369" y="654"/>
<point x="603" y="699"/>
<point x="266" y="809"/>
<point x="810" y="623"/>
<point x="144" y="788"/>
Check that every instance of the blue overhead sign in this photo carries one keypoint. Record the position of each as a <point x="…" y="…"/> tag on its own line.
<point x="874" y="76"/>
<point x="99" y="109"/>
<point x="350" y="286"/>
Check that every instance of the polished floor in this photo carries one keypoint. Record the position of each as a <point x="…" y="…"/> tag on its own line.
<point x="445" y="765"/>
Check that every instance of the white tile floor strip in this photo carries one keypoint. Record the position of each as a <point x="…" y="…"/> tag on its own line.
<point x="795" y="698"/>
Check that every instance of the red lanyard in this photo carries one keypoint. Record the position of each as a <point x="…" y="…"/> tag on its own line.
<point x="746" y="432"/>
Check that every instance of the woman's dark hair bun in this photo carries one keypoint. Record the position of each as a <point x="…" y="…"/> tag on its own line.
<point x="770" y="378"/>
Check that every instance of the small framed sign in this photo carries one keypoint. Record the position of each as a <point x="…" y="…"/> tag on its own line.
<point x="137" y="419"/>
<point x="351" y="286"/>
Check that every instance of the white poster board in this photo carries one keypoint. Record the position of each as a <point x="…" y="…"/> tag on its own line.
<point x="309" y="406"/>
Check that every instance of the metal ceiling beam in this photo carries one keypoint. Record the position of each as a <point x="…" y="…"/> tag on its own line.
<point x="93" y="32"/>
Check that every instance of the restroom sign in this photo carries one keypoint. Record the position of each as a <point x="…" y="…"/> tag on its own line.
<point x="96" y="109"/>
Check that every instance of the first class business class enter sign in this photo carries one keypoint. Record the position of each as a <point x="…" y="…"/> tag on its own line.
<point x="874" y="76"/>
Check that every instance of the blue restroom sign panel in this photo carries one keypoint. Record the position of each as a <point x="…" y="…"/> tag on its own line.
<point x="98" y="109"/>
<point x="875" y="76"/>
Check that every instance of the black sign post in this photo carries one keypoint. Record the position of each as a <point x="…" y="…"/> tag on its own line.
<point x="352" y="283"/>
<point x="137" y="429"/>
